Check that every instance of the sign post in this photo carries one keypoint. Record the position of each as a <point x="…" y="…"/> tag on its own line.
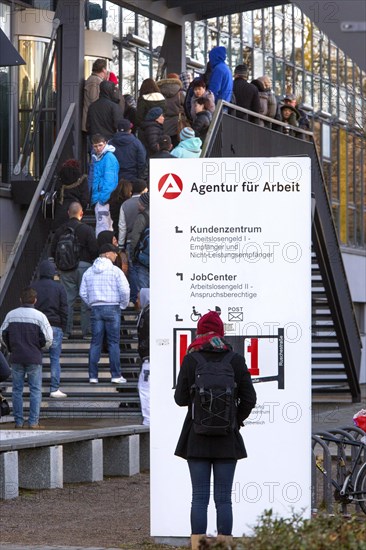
<point x="234" y="235"/>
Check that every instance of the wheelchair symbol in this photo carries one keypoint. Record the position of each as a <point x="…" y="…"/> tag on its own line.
<point x="195" y="316"/>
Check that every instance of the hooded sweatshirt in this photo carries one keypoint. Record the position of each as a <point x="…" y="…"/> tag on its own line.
<point x="103" y="284"/>
<point x="221" y="80"/>
<point x="103" y="175"/>
<point x="104" y="114"/>
<point x="189" y="148"/>
<point x="51" y="296"/>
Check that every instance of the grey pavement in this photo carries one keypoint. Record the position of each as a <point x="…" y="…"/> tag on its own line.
<point x="332" y="415"/>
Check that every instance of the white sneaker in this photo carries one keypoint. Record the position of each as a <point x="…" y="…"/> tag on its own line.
<point x="119" y="380"/>
<point x="93" y="380"/>
<point x="58" y="394"/>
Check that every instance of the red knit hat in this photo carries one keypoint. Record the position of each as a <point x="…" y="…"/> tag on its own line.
<point x="211" y="322"/>
<point x="113" y="78"/>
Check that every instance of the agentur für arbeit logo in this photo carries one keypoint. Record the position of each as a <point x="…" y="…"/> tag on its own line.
<point x="170" y="186"/>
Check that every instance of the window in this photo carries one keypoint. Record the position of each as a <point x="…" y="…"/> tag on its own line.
<point x="113" y="19"/>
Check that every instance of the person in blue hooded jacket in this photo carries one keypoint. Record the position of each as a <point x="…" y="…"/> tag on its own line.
<point x="103" y="179"/>
<point x="221" y="79"/>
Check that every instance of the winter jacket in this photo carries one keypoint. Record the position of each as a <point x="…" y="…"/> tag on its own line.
<point x="103" y="175"/>
<point x="131" y="155"/>
<point x="247" y="96"/>
<point x="171" y="88"/>
<point x="143" y="325"/>
<point x="189" y="148"/>
<point x="127" y="216"/>
<point x="25" y="331"/>
<point x="104" y="284"/>
<point x="201" y="124"/>
<point x="91" y="94"/>
<point x="162" y="155"/>
<point x="104" y="114"/>
<point x="147" y="102"/>
<point x="86" y="237"/>
<point x="141" y="222"/>
<point x="51" y="296"/>
<point x="192" y="445"/>
<point x="221" y="80"/>
<point x="150" y="132"/>
<point x="208" y="95"/>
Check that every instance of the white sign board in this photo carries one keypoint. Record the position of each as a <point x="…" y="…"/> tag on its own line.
<point x="234" y="235"/>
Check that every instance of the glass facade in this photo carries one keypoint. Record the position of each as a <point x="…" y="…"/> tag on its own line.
<point x="284" y="44"/>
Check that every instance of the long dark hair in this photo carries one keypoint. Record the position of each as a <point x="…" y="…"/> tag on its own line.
<point x="148" y="86"/>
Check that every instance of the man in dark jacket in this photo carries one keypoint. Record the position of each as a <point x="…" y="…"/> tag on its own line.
<point x="72" y="279"/>
<point x="25" y="331"/>
<point x="152" y="130"/>
<point x="165" y="146"/>
<point x="104" y="114"/>
<point x="129" y="151"/>
<point x="246" y="94"/>
<point x="52" y="301"/>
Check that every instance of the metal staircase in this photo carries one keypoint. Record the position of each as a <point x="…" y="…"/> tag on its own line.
<point x="336" y="342"/>
<point x="328" y="372"/>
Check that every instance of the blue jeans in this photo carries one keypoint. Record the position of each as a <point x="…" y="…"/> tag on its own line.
<point x="223" y="473"/>
<point x="132" y="275"/>
<point x="143" y="276"/>
<point x="34" y="378"/>
<point x="105" y="319"/>
<point x="55" y="352"/>
<point x="72" y="281"/>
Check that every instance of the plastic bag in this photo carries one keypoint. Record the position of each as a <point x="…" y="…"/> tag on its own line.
<point x="360" y="419"/>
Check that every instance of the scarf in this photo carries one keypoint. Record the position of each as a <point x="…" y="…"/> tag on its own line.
<point x="210" y="341"/>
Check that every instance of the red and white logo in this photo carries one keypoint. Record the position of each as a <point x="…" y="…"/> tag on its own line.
<point x="170" y="186"/>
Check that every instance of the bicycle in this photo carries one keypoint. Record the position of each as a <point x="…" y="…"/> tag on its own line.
<point x="350" y="488"/>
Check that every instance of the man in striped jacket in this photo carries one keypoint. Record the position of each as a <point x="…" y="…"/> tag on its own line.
<point x="25" y="331"/>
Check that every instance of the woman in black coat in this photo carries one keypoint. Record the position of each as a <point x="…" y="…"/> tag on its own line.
<point x="212" y="452"/>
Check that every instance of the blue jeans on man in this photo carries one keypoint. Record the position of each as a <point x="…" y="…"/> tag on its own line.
<point x="55" y="353"/>
<point x="33" y="373"/>
<point x="72" y="281"/>
<point x="105" y="319"/>
<point x="143" y="276"/>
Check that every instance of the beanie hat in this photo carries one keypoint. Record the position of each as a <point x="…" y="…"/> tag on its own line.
<point x="124" y="125"/>
<point x="154" y="113"/>
<point x="105" y="237"/>
<point x="47" y="269"/>
<point x="187" y="133"/>
<point x="145" y="199"/>
<point x="108" y="247"/>
<point x="211" y="322"/>
<point x="173" y="75"/>
<point x="241" y="70"/>
<point x="70" y="172"/>
<point x="113" y="78"/>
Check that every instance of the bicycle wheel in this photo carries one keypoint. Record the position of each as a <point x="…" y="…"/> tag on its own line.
<point x="360" y="487"/>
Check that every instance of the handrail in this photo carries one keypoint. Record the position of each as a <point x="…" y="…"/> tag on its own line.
<point x="217" y="116"/>
<point x="19" y="251"/>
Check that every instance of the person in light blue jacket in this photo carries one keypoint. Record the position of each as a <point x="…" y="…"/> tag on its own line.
<point x="103" y="180"/>
<point x="221" y="79"/>
<point x="189" y="145"/>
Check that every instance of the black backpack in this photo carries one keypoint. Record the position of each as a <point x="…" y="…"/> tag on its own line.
<point x="214" y="396"/>
<point x="67" y="255"/>
<point x="142" y="251"/>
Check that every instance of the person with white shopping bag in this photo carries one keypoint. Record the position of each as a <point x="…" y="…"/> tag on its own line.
<point x="103" y="180"/>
